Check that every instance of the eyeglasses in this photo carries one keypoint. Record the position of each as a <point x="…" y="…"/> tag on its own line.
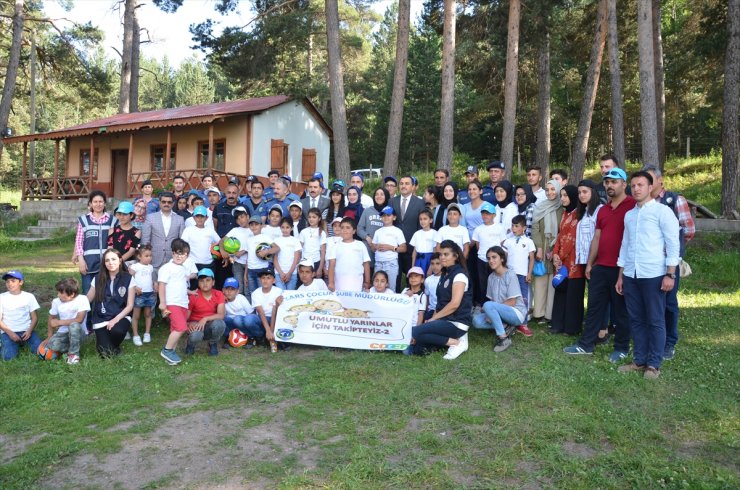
<point x="180" y="254"/>
<point x="166" y="202"/>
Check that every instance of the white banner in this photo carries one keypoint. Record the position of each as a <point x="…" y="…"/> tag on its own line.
<point x="345" y="319"/>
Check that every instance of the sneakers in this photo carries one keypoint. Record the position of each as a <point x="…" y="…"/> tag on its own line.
<point x="147" y="338"/>
<point x="541" y="321"/>
<point x="73" y="359"/>
<point x="669" y="353"/>
<point x="137" y="341"/>
<point x="213" y="350"/>
<point x="628" y="368"/>
<point x="651" y="373"/>
<point x="524" y="330"/>
<point x="189" y="349"/>
<point x="617" y="356"/>
<point x="128" y="336"/>
<point x="576" y="350"/>
<point x="170" y="356"/>
<point x="456" y="350"/>
<point x="502" y="344"/>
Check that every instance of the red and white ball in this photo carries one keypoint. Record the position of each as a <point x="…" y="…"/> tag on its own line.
<point x="237" y="338"/>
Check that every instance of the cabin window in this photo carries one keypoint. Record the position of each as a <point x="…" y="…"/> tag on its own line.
<point x="85" y="162"/>
<point x="157" y="157"/>
<point x="219" y="154"/>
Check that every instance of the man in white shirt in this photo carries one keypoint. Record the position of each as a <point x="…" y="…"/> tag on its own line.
<point x="534" y="179"/>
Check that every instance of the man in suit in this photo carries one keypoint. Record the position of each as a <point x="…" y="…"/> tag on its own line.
<point x="407" y="207"/>
<point x="314" y="199"/>
<point x="161" y="228"/>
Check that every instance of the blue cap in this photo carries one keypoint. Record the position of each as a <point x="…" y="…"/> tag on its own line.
<point x="472" y="169"/>
<point x="496" y="164"/>
<point x="193" y="192"/>
<point x="358" y="174"/>
<point x="125" y="207"/>
<point x="338" y="185"/>
<point x="561" y="276"/>
<point x="487" y="207"/>
<point x="13" y="274"/>
<point x="391" y="178"/>
<point x="231" y="283"/>
<point x="414" y="180"/>
<point x="616" y="173"/>
<point x="205" y="273"/>
<point x="200" y="211"/>
<point x="318" y="175"/>
<point x="387" y="211"/>
<point x="287" y="177"/>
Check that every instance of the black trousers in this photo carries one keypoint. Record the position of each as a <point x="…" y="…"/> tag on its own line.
<point x="108" y="342"/>
<point x="404" y="264"/>
<point x="603" y="295"/>
<point x="567" y="308"/>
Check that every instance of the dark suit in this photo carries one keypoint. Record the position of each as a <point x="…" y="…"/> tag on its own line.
<point x="408" y="225"/>
<point x="321" y="202"/>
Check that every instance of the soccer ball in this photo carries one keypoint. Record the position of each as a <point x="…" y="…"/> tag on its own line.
<point x="231" y="245"/>
<point x="46" y="354"/>
<point x="237" y="338"/>
<point x="265" y="246"/>
<point x="216" y="252"/>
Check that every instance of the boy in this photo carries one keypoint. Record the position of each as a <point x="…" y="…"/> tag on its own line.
<point x="200" y="239"/>
<point x="485" y="236"/>
<point x="424" y="241"/>
<point x="520" y="252"/>
<point x="349" y="262"/>
<point x="18" y="317"/>
<point x="174" y="278"/>
<point x="67" y="316"/>
<point x="240" y="315"/>
<point x="296" y="215"/>
<point x="431" y="283"/>
<point x="388" y="242"/>
<point x="453" y="231"/>
<point x="264" y="300"/>
<point x="206" y="314"/>
<point x="260" y="248"/>
<point x="241" y="233"/>
<point x="331" y="241"/>
<point x="198" y="201"/>
<point x="306" y="276"/>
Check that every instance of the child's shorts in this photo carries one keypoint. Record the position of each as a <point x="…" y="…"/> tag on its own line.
<point x="145" y="300"/>
<point x="178" y="318"/>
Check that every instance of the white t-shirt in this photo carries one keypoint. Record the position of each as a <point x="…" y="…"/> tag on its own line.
<point x="143" y="276"/>
<point x="420" y="300"/>
<point x="272" y="231"/>
<point x="464" y="279"/>
<point x="16" y="310"/>
<point x="312" y="240"/>
<point x="253" y="261"/>
<point x="487" y="236"/>
<point x="458" y="234"/>
<point x="387" y="291"/>
<point x="200" y="241"/>
<point x="239" y="307"/>
<point x="177" y="279"/>
<point x="350" y="258"/>
<point x="316" y="285"/>
<point x="505" y="215"/>
<point x="331" y="242"/>
<point x="208" y="222"/>
<point x="425" y="241"/>
<point x="241" y="234"/>
<point x="517" y="253"/>
<point x="388" y="235"/>
<point x="266" y="300"/>
<point x="289" y="245"/>
<point x="68" y="310"/>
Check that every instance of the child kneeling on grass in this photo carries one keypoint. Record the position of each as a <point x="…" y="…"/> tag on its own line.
<point x="67" y="317"/>
<point x="206" y="314"/>
<point x="264" y="299"/>
<point x="18" y="317"/>
<point x="240" y="315"/>
<point x="174" y="278"/>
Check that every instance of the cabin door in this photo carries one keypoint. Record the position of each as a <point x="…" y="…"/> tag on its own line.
<point x="119" y="176"/>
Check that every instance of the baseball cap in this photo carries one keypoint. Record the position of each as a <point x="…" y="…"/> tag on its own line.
<point x="234" y="180"/>
<point x="231" y="283"/>
<point x="616" y="173"/>
<point x="205" y="273"/>
<point x="214" y="190"/>
<point x="238" y="210"/>
<point x="267" y="271"/>
<point x="472" y="169"/>
<point x="336" y="220"/>
<point x="561" y="276"/>
<point x="255" y="219"/>
<point x="338" y="185"/>
<point x="318" y="175"/>
<point x="251" y="178"/>
<point x="496" y="164"/>
<point x="200" y="211"/>
<point x="387" y="211"/>
<point x="391" y="178"/>
<point x="487" y="207"/>
<point x="358" y="174"/>
<point x="288" y="178"/>
<point x="296" y="204"/>
<point x="454" y="206"/>
<point x="305" y="263"/>
<point x="125" y="207"/>
<point x="415" y="270"/>
<point x="277" y="207"/>
<point x="15" y="274"/>
<point x="193" y="192"/>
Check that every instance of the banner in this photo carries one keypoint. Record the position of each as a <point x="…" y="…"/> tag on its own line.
<point x="346" y="319"/>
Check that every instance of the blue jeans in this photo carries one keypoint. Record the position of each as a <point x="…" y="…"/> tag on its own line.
<point x="213" y="331"/>
<point x="390" y="268"/>
<point x="671" y="315"/>
<point x="646" y="309"/>
<point x="253" y="276"/>
<point x="238" y="270"/>
<point x="287" y="286"/>
<point x="10" y="348"/>
<point x="249" y="324"/>
<point x="524" y="288"/>
<point x="494" y="316"/>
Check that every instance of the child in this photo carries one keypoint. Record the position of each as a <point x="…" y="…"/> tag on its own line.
<point x="313" y="239"/>
<point x="240" y="314"/>
<point x="198" y="201"/>
<point x="453" y="231"/>
<point x="306" y="274"/>
<point x="67" y="316"/>
<point x="349" y="262"/>
<point x="334" y="237"/>
<point x="272" y="228"/>
<point x="298" y="222"/>
<point x="485" y="236"/>
<point x="430" y="284"/>
<point x="206" y="312"/>
<point x="200" y="239"/>
<point x="243" y="234"/>
<point x="520" y="251"/>
<point x="415" y="290"/>
<point x="174" y="278"/>
<point x="424" y="241"/>
<point x="380" y="283"/>
<point x="286" y="260"/>
<point x="388" y="241"/>
<point x="18" y="317"/>
<point x="143" y="274"/>
<point x="125" y="237"/>
<point x="264" y="299"/>
<point x="259" y="248"/>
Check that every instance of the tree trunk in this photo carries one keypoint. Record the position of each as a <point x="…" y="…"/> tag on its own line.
<point x="124" y="93"/>
<point x="510" y="85"/>
<point x="133" y="104"/>
<point x="11" y="72"/>
<point x="659" y="80"/>
<point x="616" y="85"/>
<point x="730" y="162"/>
<point x="447" y="116"/>
<point x="580" y="146"/>
<point x="647" y="83"/>
<point x="32" y="146"/>
<point x="336" y="89"/>
<point x="395" y="122"/>
<point x="543" y="106"/>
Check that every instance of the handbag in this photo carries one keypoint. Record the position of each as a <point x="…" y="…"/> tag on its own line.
<point x="539" y="268"/>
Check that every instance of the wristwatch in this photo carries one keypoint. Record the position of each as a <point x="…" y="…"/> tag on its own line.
<point x="672" y="275"/>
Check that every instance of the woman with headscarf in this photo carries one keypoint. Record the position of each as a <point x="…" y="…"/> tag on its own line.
<point x="525" y="201"/>
<point x="448" y="196"/>
<point x="353" y="208"/>
<point x="370" y="220"/>
<point x="567" y="309"/>
<point x="506" y="208"/>
<point x="545" y="225"/>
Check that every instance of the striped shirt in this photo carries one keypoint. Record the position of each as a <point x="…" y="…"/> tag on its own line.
<point x="584" y="235"/>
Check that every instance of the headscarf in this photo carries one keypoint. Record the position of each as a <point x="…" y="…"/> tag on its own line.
<point x="355" y="207"/>
<point x="572" y="192"/>
<point x="508" y="188"/>
<point x="440" y="219"/>
<point x="386" y="199"/>
<point x="547" y="209"/>
<point x="531" y="198"/>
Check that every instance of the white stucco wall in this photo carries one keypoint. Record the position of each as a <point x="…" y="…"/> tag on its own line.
<point x="294" y="124"/>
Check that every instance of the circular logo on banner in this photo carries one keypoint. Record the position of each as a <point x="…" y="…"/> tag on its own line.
<point x="285" y="333"/>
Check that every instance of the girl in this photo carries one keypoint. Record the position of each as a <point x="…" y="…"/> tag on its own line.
<point x="182" y="207"/>
<point x="545" y="224"/>
<point x="354" y="205"/>
<point x="506" y="208"/>
<point x="331" y="242"/>
<point x="415" y="278"/>
<point x="274" y="217"/>
<point x="453" y="231"/>
<point x="111" y="294"/>
<point x="432" y="196"/>
<point x="424" y="241"/>
<point x="336" y="207"/>
<point x="349" y="262"/>
<point x="286" y="260"/>
<point x="449" y="196"/>
<point x="589" y="205"/>
<point x="506" y="305"/>
<point x="91" y="240"/>
<point x="567" y="310"/>
<point x="144" y="288"/>
<point x="525" y="199"/>
<point x="313" y="239"/>
<point x="380" y="283"/>
<point x="124" y="237"/>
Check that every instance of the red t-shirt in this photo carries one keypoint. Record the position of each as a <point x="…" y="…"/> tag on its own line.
<point x="200" y="307"/>
<point x="611" y="223"/>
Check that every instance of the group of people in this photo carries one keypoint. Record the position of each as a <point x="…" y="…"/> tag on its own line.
<point x="490" y="256"/>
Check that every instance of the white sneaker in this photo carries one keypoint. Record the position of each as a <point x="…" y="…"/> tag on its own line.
<point x="455" y="350"/>
<point x="147" y="338"/>
<point x="73" y="359"/>
<point x="137" y="341"/>
<point x="127" y="337"/>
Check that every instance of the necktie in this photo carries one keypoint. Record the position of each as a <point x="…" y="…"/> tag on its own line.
<point x="313" y="203"/>
<point x="404" y="203"/>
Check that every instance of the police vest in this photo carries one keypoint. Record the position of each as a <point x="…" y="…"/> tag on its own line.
<point x="115" y="298"/>
<point x="444" y="296"/>
<point x="94" y="240"/>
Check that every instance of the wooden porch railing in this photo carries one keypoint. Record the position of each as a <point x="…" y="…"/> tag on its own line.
<point x="65" y="188"/>
<point x="193" y="180"/>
